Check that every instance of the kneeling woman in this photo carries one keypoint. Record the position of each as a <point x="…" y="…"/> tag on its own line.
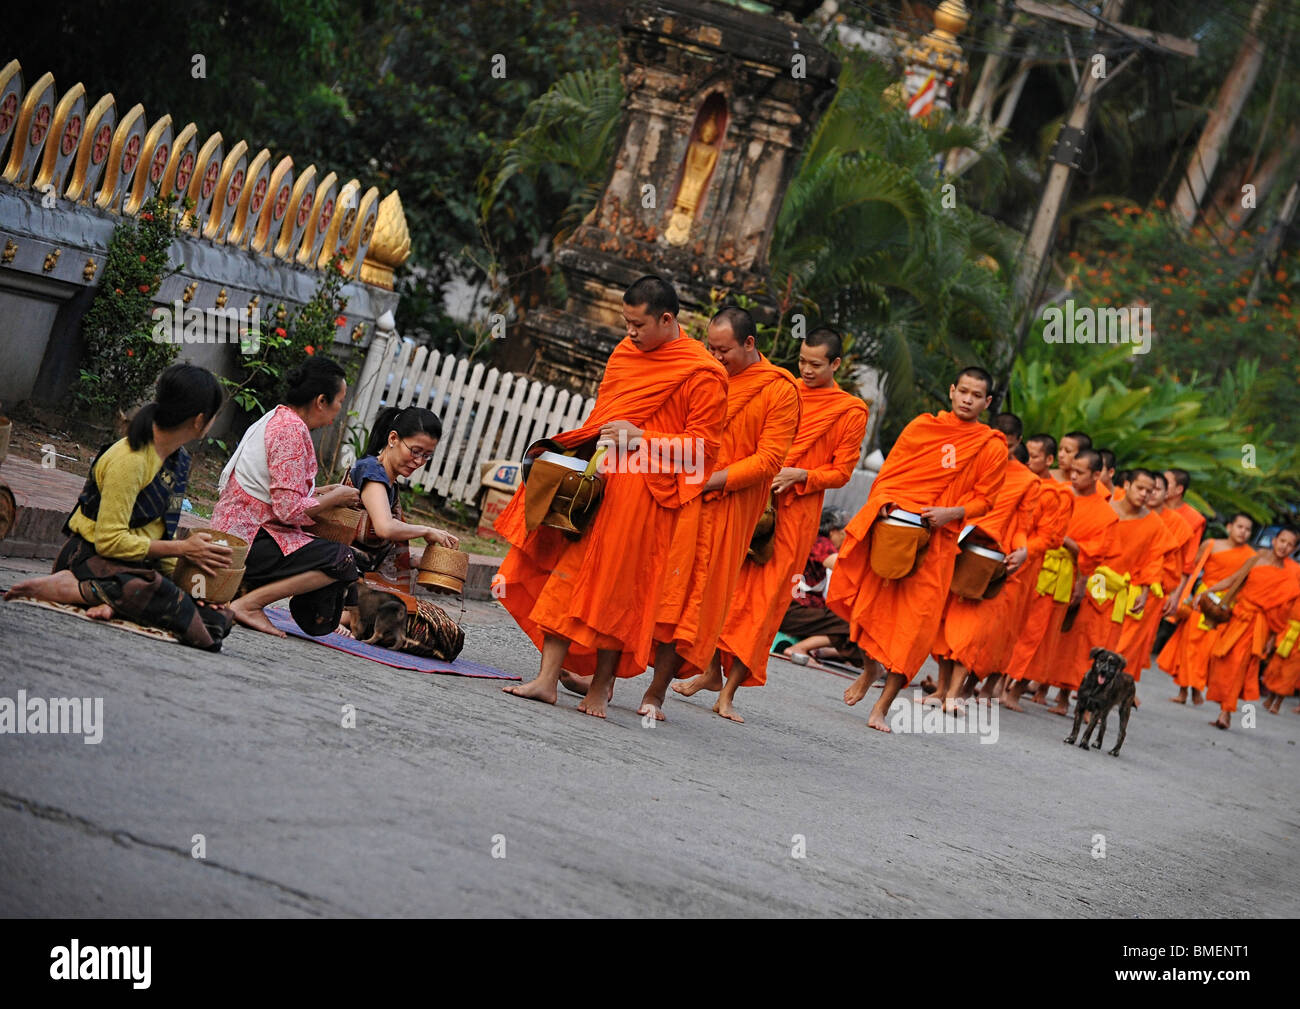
<point x="401" y="441"/>
<point x="268" y="497"/>
<point x="120" y="546"/>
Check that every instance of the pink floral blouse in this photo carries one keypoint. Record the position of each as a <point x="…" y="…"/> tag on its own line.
<point x="291" y="459"/>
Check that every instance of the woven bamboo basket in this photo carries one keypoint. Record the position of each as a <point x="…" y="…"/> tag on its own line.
<point x="443" y="569"/>
<point x="337" y="524"/>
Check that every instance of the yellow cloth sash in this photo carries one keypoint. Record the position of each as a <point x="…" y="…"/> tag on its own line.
<point x="1157" y="590"/>
<point x="1056" y="576"/>
<point x="1106" y="584"/>
<point x="1289" y="637"/>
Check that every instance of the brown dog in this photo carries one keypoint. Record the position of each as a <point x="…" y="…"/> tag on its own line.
<point x="1105" y="686"/>
<point x="382" y="618"/>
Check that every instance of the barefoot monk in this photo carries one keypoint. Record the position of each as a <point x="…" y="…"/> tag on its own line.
<point x="825" y="451"/>
<point x="704" y="559"/>
<point x="895" y="567"/>
<point x="588" y="603"/>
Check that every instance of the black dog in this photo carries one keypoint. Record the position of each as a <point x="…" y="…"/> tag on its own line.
<point x="1105" y="686"/>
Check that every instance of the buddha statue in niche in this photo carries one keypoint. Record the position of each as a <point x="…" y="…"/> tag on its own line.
<point x="701" y="157"/>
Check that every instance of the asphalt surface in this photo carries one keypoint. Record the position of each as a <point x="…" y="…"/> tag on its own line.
<point x="402" y="814"/>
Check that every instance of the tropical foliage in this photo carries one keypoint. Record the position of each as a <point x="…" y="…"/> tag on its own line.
<point x="123" y="353"/>
<point x="1165" y="423"/>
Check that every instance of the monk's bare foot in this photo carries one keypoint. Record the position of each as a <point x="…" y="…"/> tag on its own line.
<point x="1180" y="699"/>
<point x="1040" y="697"/>
<point x="1061" y="708"/>
<point x="935" y="698"/>
<point x="877" y="721"/>
<point x="1009" y="702"/>
<point x="649" y="707"/>
<point x="1268" y="706"/>
<point x="593" y="706"/>
<point x="1296" y="710"/>
<point x="711" y="680"/>
<point x="1197" y="697"/>
<point x="1223" y="721"/>
<point x="652" y="702"/>
<point x="534" y="690"/>
<point x="575" y="683"/>
<point x="101" y="612"/>
<point x="928" y="685"/>
<point x="252" y="616"/>
<point x="857" y="690"/>
<point x="953" y="705"/>
<point x="725" y="709"/>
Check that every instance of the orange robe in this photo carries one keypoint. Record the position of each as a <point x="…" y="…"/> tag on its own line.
<point x="1196" y="520"/>
<point x="831" y="428"/>
<point x="600" y="590"/>
<point x="1180" y="533"/>
<point x="709" y="545"/>
<point x="973" y="631"/>
<point x="938" y="461"/>
<point x="1260" y="607"/>
<point x="1092" y="527"/>
<point x="1282" y="674"/>
<point x="1142" y="544"/>
<point x="1186" y="655"/>
<point x="1040" y="624"/>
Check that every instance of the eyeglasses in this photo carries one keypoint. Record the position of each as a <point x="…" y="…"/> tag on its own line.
<point x="419" y="455"/>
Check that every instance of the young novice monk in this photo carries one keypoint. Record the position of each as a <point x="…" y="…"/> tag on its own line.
<point x="120" y="546"/>
<point x="1090" y="539"/>
<point x="1186" y="655"/>
<point x="947" y="468"/>
<point x="1259" y="613"/>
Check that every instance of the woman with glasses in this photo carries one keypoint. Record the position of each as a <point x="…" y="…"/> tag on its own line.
<point x="401" y="441"/>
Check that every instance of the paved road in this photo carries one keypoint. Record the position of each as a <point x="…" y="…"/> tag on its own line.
<point x="696" y="816"/>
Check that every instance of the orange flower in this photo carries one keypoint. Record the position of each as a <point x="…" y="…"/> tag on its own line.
<point x="340" y="321"/>
<point x="1165" y="290"/>
<point x="1160" y="204"/>
<point x="1280" y="276"/>
<point x="143" y="288"/>
<point x="1181" y="312"/>
<point x="1108" y="205"/>
<point x="309" y="350"/>
<point x="279" y="331"/>
<point x="1243" y="318"/>
<point x="144" y="259"/>
<point x="130" y="352"/>
<point x="1168" y="268"/>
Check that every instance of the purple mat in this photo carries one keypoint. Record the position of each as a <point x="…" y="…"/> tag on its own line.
<point x="398" y="660"/>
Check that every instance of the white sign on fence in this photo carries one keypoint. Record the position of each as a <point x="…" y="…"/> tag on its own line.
<point x="485" y="414"/>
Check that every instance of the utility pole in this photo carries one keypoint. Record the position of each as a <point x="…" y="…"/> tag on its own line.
<point x="1068" y="151"/>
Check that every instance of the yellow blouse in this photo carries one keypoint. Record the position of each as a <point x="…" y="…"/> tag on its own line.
<point x="122" y="474"/>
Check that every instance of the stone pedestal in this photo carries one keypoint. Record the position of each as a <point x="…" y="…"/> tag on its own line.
<point x="720" y="102"/>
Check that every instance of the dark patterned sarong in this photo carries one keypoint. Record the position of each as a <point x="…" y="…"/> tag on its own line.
<point x="136" y="591"/>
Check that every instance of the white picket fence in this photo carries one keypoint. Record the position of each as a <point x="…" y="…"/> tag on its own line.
<point x="485" y="414"/>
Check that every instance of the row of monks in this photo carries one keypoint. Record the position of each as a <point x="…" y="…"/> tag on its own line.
<point x="664" y="576"/>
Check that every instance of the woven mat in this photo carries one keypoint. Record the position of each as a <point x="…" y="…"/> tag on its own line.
<point x="387" y="656"/>
<point x="126" y="625"/>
